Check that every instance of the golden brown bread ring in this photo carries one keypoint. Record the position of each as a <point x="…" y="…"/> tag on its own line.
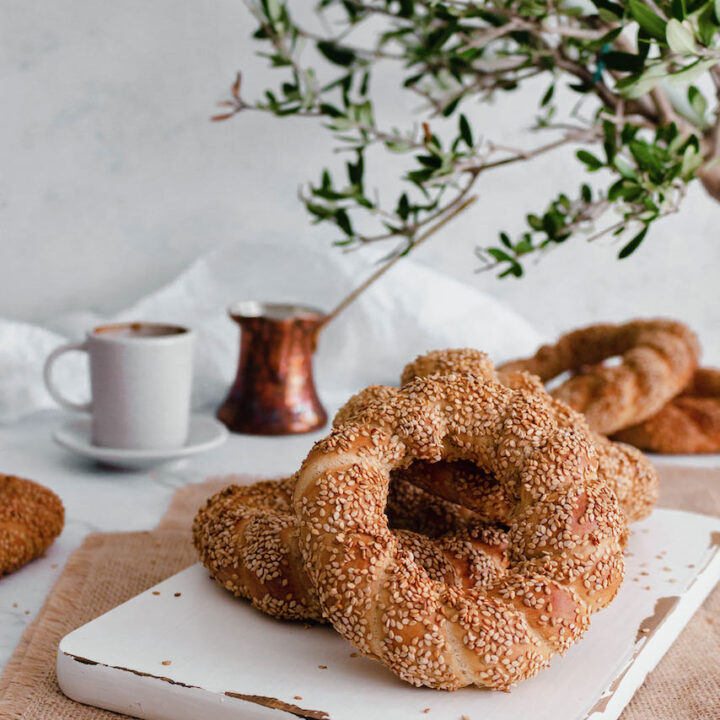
<point x="624" y="468"/>
<point x="247" y="538"/>
<point x="246" y="535"/>
<point x="658" y="358"/>
<point x="689" y="423"/>
<point x="31" y="517"/>
<point x="241" y="525"/>
<point x="565" y="539"/>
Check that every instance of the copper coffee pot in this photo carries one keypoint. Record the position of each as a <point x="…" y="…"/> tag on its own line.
<point x="274" y="391"/>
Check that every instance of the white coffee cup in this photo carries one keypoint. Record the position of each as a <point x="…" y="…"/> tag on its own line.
<point x="140" y="378"/>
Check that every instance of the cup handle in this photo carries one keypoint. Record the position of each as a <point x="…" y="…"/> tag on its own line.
<point x="47" y="377"/>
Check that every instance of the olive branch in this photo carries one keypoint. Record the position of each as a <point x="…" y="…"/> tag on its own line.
<point x="646" y="69"/>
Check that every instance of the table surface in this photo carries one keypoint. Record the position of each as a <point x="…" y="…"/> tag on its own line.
<point x="100" y="499"/>
<point x="189" y="631"/>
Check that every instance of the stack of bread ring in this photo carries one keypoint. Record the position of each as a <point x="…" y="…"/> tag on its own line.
<point x="654" y="396"/>
<point x="460" y="529"/>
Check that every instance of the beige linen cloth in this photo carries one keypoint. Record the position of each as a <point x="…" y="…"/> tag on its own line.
<point x="105" y="572"/>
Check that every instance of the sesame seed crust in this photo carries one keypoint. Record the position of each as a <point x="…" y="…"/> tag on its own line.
<point x="31" y="517"/>
<point x="453" y="522"/>
<point x="247" y="538"/>
<point x="624" y="468"/>
<point x="564" y="542"/>
<point x="658" y="358"/>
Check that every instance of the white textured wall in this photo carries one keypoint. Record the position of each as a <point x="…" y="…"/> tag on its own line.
<point x="112" y="178"/>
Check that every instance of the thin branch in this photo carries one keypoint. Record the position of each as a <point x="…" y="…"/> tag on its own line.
<point x="664" y="107"/>
<point x="570" y="137"/>
<point x="382" y="270"/>
<point x="608" y="97"/>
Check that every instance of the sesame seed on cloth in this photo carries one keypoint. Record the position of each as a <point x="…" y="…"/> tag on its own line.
<point x="31" y="517"/>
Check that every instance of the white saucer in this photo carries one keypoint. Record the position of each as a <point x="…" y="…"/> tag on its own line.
<point x="205" y="433"/>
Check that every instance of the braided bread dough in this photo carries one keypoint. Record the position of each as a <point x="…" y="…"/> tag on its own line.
<point x="247" y="538"/>
<point x="565" y="540"/>
<point x="626" y="470"/>
<point x="31" y="517"/>
<point x="689" y="423"/>
<point x="658" y="358"/>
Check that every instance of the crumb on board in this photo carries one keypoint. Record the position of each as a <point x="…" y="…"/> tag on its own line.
<point x="27" y="612"/>
<point x="177" y="594"/>
<point x="667" y="569"/>
<point x="297" y="697"/>
<point x="156" y="592"/>
<point x="167" y="662"/>
<point x="353" y="654"/>
<point x="644" y="572"/>
<point x="15" y="604"/>
<point x="691" y="565"/>
<point x="426" y="710"/>
<point x="322" y="667"/>
<point x="464" y="717"/>
<point x="672" y="580"/>
<point x="647" y="587"/>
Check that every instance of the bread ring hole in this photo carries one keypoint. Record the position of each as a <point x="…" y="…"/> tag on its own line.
<point x="441" y="496"/>
<point x="558" y="380"/>
<point x="608" y="362"/>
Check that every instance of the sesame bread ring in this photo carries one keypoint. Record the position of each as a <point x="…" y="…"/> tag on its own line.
<point x="689" y="423"/>
<point x="658" y="358"/>
<point x="625" y="469"/>
<point x="31" y="517"/>
<point x="247" y="538"/>
<point x="565" y="540"/>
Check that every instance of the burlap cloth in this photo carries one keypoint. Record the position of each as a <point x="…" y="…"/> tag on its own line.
<point x="106" y="571"/>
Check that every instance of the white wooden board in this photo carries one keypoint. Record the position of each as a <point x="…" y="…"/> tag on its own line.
<point x="186" y="649"/>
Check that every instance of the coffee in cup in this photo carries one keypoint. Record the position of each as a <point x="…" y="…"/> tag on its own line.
<point x="140" y="378"/>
